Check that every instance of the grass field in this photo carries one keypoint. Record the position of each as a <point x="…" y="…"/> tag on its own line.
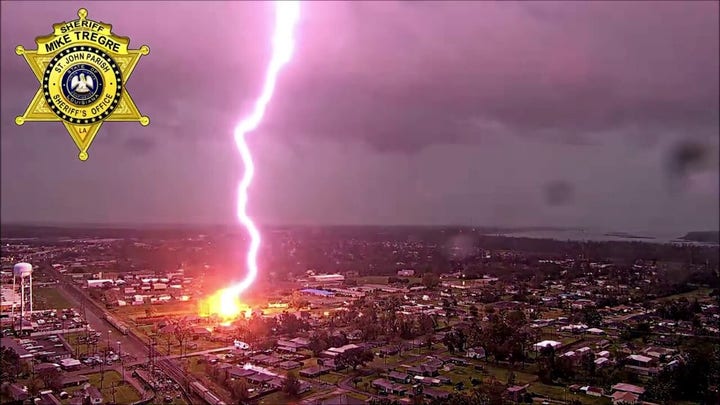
<point x="280" y="397"/>
<point x="195" y="366"/>
<point x="466" y="374"/>
<point x="124" y="393"/>
<point x="567" y="341"/>
<point x="561" y="394"/>
<point x="700" y="294"/>
<point x="358" y="396"/>
<point x="146" y="331"/>
<point x="372" y="280"/>
<point x="49" y="298"/>
<point x="331" y="378"/>
<point x="77" y="347"/>
<point x="172" y="308"/>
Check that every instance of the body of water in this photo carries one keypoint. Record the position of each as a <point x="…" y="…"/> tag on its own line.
<point x="603" y="236"/>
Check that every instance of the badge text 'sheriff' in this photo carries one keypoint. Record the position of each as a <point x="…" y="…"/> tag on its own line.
<point x="82" y="68"/>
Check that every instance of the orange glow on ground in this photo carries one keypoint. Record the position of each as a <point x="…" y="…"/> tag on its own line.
<point x="225" y="304"/>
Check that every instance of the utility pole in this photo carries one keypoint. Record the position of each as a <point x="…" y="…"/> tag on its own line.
<point x="152" y="351"/>
<point x="122" y="361"/>
<point x="113" y="391"/>
<point x="102" y="372"/>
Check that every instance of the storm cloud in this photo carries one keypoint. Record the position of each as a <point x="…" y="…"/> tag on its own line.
<point x="391" y="112"/>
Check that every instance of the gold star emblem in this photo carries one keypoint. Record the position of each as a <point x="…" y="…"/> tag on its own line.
<point x="83" y="69"/>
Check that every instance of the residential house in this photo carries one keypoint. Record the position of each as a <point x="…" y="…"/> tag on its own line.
<point x="74" y="380"/>
<point x="516" y="393"/>
<point x="620" y="397"/>
<point x="238" y="372"/>
<point x="423" y="370"/>
<point x="641" y="361"/>
<point x="94" y="394"/>
<point x="301" y="342"/>
<point x="47" y="398"/>
<point x="602" y="362"/>
<point x="435" y="394"/>
<point x="399" y="377"/>
<point x="260" y="379"/>
<point x="16" y="392"/>
<point x="289" y="365"/>
<point x="314" y="371"/>
<point x="383" y="385"/>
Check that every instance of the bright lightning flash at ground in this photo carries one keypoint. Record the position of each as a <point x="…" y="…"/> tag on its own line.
<point x="225" y="305"/>
<point x="287" y="14"/>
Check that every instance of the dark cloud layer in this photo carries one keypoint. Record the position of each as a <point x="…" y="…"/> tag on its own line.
<point x="451" y="112"/>
<point x="422" y="74"/>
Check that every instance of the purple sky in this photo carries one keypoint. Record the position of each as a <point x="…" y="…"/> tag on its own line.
<point x="511" y="114"/>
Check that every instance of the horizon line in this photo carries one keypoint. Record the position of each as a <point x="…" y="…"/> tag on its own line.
<point x="126" y="225"/>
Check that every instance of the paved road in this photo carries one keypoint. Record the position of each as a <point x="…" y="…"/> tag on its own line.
<point x="95" y="317"/>
<point x="130" y="344"/>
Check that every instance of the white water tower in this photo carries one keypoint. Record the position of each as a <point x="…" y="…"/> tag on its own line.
<point x="22" y="277"/>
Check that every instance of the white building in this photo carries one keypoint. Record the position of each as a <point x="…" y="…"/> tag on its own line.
<point x="547" y="343"/>
<point x="99" y="283"/>
<point x="328" y="278"/>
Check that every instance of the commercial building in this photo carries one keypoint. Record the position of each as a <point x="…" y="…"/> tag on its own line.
<point x="327" y="278"/>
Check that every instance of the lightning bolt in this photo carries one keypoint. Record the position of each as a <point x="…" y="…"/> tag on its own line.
<point x="287" y="14"/>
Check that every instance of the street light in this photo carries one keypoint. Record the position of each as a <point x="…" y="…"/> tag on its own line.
<point x="103" y="360"/>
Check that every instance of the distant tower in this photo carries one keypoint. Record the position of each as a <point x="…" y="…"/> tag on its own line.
<point x="22" y="275"/>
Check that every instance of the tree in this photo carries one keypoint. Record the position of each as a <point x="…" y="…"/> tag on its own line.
<point x="318" y="344"/>
<point x="449" y="342"/>
<point x="149" y="309"/>
<point x="211" y="370"/>
<point x="9" y="364"/>
<point x="660" y="389"/>
<point x="291" y="385"/>
<point x="425" y="323"/>
<point x="511" y="377"/>
<point x="546" y="364"/>
<point x="297" y="301"/>
<point x="291" y="324"/>
<point x="33" y="385"/>
<point x="221" y="377"/>
<point x="354" y="358"/>
<point x="430" y="280"/>
<point x="239" y="391"/>
<point x="181" y="332"/>
<point x="113" y="389"/>
<point x="588" y="363"/>
<point x="455" y="340"/>
<point x="428" y="341"/>
<point x="51" y="378"/>
<point x="592" y="317"/>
